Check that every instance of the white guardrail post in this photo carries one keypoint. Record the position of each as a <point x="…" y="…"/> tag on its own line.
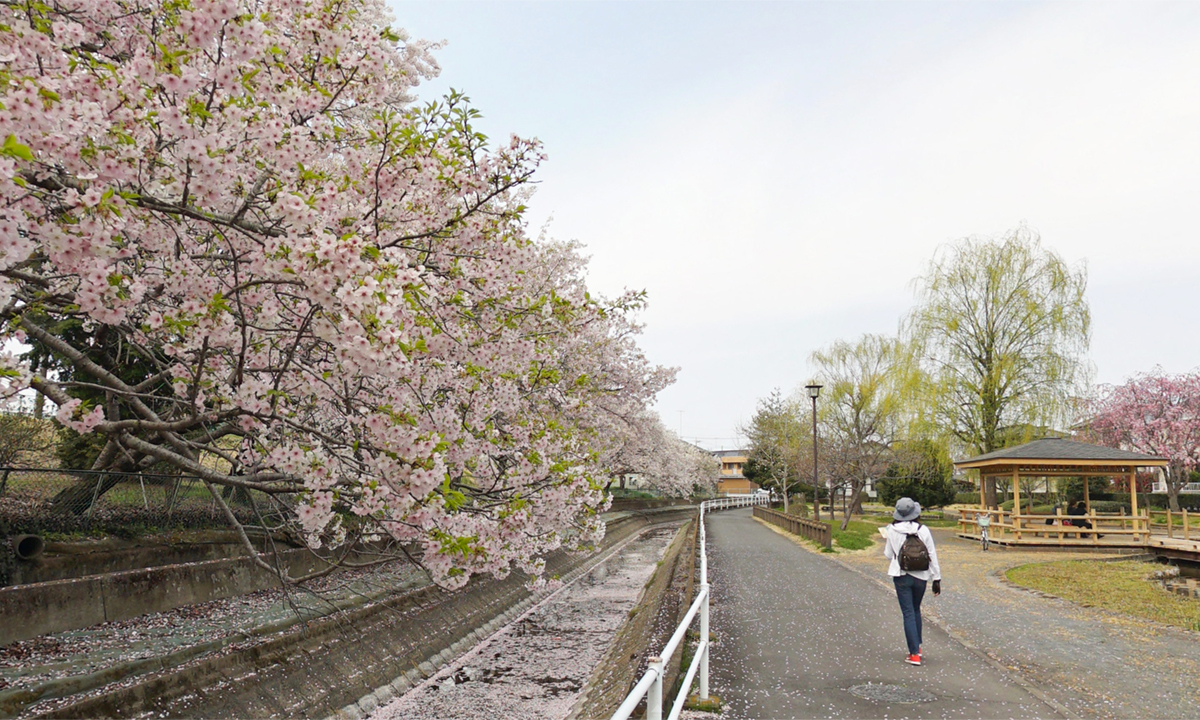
<point x="654" y="698"/>
<point x="650" y="686"/>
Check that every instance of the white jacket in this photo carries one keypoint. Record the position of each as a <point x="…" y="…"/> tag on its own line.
<point x="896" y="533"/>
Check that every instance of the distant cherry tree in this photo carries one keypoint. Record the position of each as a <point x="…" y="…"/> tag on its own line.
<point x="1157" y="414"/>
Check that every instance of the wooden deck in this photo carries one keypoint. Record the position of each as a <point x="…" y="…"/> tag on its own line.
<point x="1175" y="548"/>
<point x="1179" y="540"/>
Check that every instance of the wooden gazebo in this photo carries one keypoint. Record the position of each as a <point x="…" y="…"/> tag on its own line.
<point x="1054" y="457"/>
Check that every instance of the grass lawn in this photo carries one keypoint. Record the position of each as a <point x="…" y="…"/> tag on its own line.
<point x="1118" y="586"/>
<point x="863" y="530"/>
<point x="858" y="534"/>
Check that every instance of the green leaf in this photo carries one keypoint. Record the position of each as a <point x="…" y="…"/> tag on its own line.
<point x="12" y="148"/>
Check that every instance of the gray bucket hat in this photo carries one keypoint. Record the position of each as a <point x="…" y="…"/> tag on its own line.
<point x="907" y="509"/>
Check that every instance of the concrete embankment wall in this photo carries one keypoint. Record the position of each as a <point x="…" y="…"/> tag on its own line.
<point x="49" y="607"/>
<point x="64" y="561"/>
<point x="348" y="662"/>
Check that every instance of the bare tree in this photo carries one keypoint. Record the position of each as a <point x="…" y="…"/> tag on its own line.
<point x="776" y="434"/>
<point x="862" y="410"/>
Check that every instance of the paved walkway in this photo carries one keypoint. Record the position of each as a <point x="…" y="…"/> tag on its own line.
<point x="801" y="636"/>
<point x="1098" y="664"/>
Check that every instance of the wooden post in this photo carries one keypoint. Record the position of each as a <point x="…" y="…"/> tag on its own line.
<point x="1169" y="523"/>
<point x="1124" y="525"/>
<point x="1087" y="496"/>
<point x="1133" y="500"/>
<point x="1185" y="525"/>
<point x="1058" y="512"/>
<point x="1016" y="481"/>
<point x="982" y="491"/>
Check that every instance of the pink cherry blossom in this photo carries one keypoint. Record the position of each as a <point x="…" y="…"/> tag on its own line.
<point x="329" y="285"/>
<point x="1156" y="414"/>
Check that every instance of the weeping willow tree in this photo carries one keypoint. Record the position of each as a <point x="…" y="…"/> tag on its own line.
<point x="1000" y="332"/>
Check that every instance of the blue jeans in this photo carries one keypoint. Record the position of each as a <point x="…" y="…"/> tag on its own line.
<point x="909" y="591"/>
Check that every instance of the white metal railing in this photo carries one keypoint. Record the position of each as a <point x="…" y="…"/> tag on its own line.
<point x="650" y="686"/>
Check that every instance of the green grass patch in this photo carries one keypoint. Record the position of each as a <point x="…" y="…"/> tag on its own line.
<point x="1122" y="587"/>
<point x="859" y="534"/>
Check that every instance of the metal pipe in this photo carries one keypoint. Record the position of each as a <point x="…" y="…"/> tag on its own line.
<point x="681" y="698"/>
<point x="669" y="649"/>
<point x="703" y="643"/>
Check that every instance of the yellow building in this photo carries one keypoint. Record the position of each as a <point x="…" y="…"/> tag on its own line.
<point x="732" y="481"/>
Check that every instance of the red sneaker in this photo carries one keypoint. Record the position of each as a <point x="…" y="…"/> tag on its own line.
<point x="920" y="654"/>
<point x="913" y="660"/>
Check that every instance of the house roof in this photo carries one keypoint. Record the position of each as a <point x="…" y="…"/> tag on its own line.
<point x="731" y="453"/>
<point x="1059" y="451"/>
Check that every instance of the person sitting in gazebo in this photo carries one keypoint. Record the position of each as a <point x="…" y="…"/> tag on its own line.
<point x="1077" y="508"/>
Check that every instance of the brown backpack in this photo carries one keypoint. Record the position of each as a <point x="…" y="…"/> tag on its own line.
<point x="914" y="556"/>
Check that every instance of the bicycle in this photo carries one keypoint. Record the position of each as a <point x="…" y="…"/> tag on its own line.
<point x="984" y="521"/>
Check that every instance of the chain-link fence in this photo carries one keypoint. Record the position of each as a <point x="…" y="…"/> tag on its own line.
<point x="83" y="502"/>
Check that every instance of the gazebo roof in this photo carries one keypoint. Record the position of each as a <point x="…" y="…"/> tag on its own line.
<point x="1056" y="451"/>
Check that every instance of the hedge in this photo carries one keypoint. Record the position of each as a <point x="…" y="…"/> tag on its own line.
<point x="1158" y="501"/>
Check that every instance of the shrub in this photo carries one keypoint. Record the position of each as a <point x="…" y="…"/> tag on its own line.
<point x="967" y="498"/>
<point x="21" y="434"/>
<point x="1039" y="509"/>
<point x="1191" y="501"/>
<point x="920" y="473"/>
<point x="619" y="493"/>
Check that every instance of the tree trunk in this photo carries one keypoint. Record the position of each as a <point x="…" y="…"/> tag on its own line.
<point x="1175" y="481"/>
<point x="855" y="499"/>
<point x="78" y="498"/>
<point x="88" y="489"/>
<point x="989" y="492"/>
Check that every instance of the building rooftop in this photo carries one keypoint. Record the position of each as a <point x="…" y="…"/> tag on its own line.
<point x="1064" y="450"/>
<point x="731" y="453"/>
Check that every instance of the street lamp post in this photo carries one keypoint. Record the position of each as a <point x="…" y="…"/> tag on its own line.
<point x="813" y="391"/>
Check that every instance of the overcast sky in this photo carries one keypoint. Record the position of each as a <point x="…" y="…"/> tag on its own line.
<point x="775" y="175"/>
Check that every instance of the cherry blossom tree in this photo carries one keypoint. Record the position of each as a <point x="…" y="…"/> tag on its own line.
<point x="312" y="289"/>
<point x="1157" y="414"/>
<point x="659" y="457"/>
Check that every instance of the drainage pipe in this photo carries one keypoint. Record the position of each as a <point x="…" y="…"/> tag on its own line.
<point x="28" y="547"/>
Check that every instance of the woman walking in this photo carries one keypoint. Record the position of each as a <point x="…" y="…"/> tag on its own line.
<point x="914" y="563"/>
